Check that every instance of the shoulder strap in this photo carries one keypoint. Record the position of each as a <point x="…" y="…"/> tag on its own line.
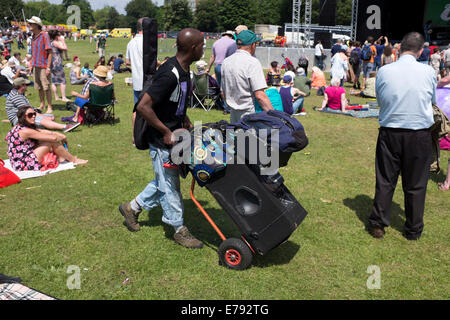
<point x="177" y="91"/>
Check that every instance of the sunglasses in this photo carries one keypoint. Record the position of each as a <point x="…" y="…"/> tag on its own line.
<point x="31" y="115"/>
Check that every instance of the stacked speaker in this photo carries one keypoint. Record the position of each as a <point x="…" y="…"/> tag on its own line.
<point x="327" y="17"/>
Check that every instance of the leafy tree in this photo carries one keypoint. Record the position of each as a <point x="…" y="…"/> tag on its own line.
<point x="234" y="13"/>
<point x="16" y="7"/>
<point x="137" y="9"/>
<point x="206" y="15"/>
<point x="344" y="12"/>
<point x="50" y="13"/>
<point x="177" y="15"/>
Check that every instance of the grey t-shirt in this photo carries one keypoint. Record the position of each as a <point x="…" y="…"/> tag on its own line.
<point x="242" y="75"/>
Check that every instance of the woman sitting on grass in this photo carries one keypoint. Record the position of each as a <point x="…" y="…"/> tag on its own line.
<point x="334" y="96"/>
<point x="100" y="75"/>
<point x="75" y="74"/>
<point x="27" y="145"/>
<point x="318" y="78"/>
<point x="370" y="90"/>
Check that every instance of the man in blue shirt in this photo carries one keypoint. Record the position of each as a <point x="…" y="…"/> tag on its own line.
<point x="426" y="54"/>
<point x="405" y="93"/>
<point x="118" y="62"/>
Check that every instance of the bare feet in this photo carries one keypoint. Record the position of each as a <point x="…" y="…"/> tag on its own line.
<point x="49" y="110"/>
<point x="65" y="100"/>
<point x="444" y="186"/>
<point x="79" y="161"/>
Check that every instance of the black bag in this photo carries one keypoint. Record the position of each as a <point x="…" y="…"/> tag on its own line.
<point x="321" y="91"/>
<point x="141" y="130"/>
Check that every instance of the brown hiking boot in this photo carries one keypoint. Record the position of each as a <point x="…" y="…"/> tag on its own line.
<point x="186" y="239"/>
<point x="131" y="217"/>
<point x="376" y="232"/>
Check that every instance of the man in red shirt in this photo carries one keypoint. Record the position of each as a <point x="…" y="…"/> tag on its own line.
<point x="41" y="52"/>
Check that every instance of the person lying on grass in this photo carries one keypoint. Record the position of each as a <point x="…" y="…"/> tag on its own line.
<point x="99" y="79"/>
<point x="27" y="145"/>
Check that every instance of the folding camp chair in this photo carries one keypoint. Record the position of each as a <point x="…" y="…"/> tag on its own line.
<point x="101" y="105"/>
<point x="202" y="93"/>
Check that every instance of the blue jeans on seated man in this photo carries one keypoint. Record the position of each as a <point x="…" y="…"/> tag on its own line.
<point x="164" y="190"/>
<point x="298" y="105"/>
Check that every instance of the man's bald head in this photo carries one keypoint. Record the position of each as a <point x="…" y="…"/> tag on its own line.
<point x="187" y="38"/>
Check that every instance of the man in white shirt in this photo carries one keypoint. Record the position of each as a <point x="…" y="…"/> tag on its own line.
<point x="134" y="57"/>
<point x="9" y="73"/>
<point x="319" y="53"/>
<point x="243" y="78"/>
<point x="16" y="59"/>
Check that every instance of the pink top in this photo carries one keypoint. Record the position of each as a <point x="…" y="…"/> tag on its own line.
<point x="334" y="97"/>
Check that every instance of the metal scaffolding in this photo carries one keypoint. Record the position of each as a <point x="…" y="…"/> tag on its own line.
<point x="354" y="19"/>
<point x="308" y="11"/>
<point x="296" y="21"/>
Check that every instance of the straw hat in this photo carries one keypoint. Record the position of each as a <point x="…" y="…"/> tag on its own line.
<point x="101" y="71"/>
<point x="35" y="20"/>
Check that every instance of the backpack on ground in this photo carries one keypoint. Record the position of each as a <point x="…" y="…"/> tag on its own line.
<point x="366" y="53"/>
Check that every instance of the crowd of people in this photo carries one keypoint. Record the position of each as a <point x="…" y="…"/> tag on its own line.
<point x="240" y="81"/>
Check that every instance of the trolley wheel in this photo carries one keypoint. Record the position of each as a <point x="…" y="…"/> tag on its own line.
<point x="235" y="254"/>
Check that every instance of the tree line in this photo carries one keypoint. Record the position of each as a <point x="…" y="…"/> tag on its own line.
<point x="209" y="16"/>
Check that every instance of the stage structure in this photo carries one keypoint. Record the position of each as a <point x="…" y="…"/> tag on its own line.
<point x="297" y="23"/>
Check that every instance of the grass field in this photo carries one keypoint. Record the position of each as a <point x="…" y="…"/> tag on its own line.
<point x="71" y="219"/>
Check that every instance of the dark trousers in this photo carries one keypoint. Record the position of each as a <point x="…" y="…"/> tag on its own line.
<point x="408" y="152"/>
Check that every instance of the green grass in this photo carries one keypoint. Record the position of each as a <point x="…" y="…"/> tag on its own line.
<point x="71" y="218"/>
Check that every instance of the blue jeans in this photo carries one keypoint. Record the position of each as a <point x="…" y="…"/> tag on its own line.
<point x="217" y="71"/>
<point x="367" y="69"/>
<point x="319" y="62"/>
<point x="136" y="95"/>
<point x="298" y="105"/>
<point x="164" y="190"/>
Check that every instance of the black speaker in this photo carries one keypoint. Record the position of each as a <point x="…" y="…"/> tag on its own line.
<point x="262" y="207"/>
<point x="150" y="47"/>
<point x="327" y="13"/>
<point x="325" y="37"/>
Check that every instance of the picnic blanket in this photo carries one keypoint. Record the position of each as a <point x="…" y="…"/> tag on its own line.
<point x="17" y="291"/>
<point x="34" y="174"/>
<point x="369" y="113"/>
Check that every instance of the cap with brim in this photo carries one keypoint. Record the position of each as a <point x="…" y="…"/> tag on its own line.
<point x="101" y="71"/>
<point x="246" y="37"/>
<point x="240" y="28"/>
<point x="200" y="64"/>
<point x="20" y="81"/>
<point x="287" y="79"/>
<point x="228" y="32"/>
<point x="35" y="20"/>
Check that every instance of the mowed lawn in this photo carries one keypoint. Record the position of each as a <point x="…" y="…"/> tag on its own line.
<point x="71" y="219"/>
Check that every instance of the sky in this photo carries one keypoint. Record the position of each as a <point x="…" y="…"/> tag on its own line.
<point x="98" y="4"/>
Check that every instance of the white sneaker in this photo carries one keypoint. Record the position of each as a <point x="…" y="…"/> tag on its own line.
<point x="299" y="114"/>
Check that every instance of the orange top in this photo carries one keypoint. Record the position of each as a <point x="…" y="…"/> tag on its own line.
<point x="318" y="80"/>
